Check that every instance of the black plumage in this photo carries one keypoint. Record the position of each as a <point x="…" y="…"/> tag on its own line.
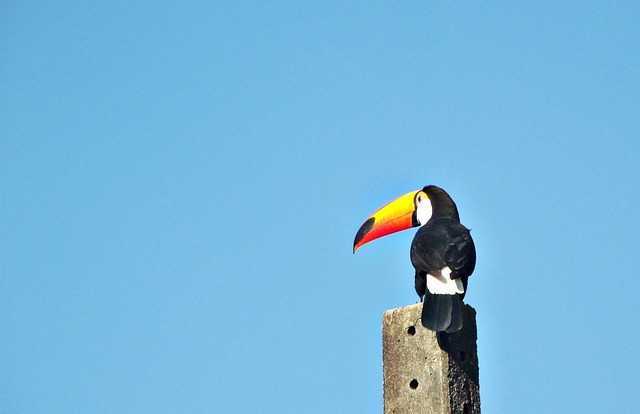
<point x="442" y="242"/>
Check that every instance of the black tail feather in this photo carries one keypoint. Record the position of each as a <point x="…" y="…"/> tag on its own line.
<point x="442" y="312"/>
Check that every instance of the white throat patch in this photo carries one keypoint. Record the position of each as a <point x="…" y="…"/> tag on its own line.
<point x="424" y="211"/>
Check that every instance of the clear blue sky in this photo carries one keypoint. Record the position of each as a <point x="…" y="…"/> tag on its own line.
<point x="181" y="184"/>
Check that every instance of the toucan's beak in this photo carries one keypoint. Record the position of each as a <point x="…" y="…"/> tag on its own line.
<point x="396" y="216"/>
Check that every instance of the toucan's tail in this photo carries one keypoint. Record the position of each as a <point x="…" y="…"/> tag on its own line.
<point x="441" y="312"/>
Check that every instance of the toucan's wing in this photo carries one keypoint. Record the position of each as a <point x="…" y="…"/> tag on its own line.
<point x="461" y="252"/>
<point x="444" y="243"/>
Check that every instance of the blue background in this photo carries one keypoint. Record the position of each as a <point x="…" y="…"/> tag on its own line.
<point x="181" y="183"/>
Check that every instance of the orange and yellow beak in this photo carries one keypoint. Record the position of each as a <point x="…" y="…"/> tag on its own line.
<point x="393" y="217"/>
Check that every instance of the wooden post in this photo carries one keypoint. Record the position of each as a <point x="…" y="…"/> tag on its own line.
<point x="425" y="372"/>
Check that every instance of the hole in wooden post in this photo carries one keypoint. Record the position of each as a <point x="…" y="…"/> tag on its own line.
<point x="466" y="408"/>
<point x="413" y="384"/>
<point x="463" y="356"/>
<point x="412" y="330"/>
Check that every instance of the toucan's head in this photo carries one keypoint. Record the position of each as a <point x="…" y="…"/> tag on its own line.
<point x="411" y="210"/>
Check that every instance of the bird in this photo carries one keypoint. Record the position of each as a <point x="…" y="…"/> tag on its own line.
<point x="443" y="253"/>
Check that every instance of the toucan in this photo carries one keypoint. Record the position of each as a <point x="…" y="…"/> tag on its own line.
<point x="442" y="252"/>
